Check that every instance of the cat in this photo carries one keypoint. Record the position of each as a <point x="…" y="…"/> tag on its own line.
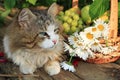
<point x="33" y="40"/>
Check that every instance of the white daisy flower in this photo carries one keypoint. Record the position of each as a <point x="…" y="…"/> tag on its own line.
<point x="88" y="37"/>
<point x="72" y="39"/>
<point x="105" y="33"/>
<point x="96" y="46"/>
<point x="93" y="30"/>
<point x="80" y="44"/>
<point x="68" y="48"/>
<point x="107" y="50"/>
<point x="67" y="66"/>
<point x="102" y="27"/>
<point x="83" y="53"/>
<point x="98" y="21"/>
<point x="75" y="40"/>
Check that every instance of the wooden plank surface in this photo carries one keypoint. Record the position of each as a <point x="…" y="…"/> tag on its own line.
<point x="66" y="75"/>
<point x="89" y="71"/>
<point x="84" y="71"/>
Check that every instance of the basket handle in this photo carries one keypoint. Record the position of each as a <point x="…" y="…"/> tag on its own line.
<point x="75" y="3"/>
<point x="113" y="19"/>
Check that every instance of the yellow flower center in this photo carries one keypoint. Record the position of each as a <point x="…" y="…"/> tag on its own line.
<point x="100" y="27"/>
<point x="89" y="36"/>
<point x="95" y="44"/>
<point x="75" y="38"/>
<point x="84" y="49"/>
<point x="94" y="29"/>
<point x="79" y="43"/>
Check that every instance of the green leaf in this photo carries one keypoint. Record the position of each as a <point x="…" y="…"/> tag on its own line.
<point x="25" y="5"/>
<point x="33" y="2"/>
<point x="1" y="12"/>
<point x="98" y="7"/>
<point x="118" y="9"/>
<point x="9" y="4"/>
<point x="4" y="14"/>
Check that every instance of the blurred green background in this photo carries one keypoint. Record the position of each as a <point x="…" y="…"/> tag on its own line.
<point x="9" y="4"/>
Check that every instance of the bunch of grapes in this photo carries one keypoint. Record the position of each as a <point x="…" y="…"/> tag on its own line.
<point x="71" y="21"/>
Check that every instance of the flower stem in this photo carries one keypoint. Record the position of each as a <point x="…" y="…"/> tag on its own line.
<point x="106" y="42"/>
<point x="69" y="62"/>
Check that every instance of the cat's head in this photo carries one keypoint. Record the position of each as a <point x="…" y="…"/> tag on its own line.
<point x="40" y="26"/>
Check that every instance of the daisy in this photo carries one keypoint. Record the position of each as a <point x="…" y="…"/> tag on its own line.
<point x="87" y="37"/>
<point x="107" y="50"/>
<point x="72" y="39"/>
<point x="96" y="46"/>
<point x="106" y="31"/>
<point x="66" y="66"/>
<point x="75" y="40"/>
<point x="93" y="30"/>
<point x="83" y="53"/>
<point x="68" y="48"/>
<point x="80" y="44"/>
<point x="102" y="27"/>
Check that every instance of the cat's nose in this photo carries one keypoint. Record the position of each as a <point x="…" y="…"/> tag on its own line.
<point x="54" y="41"/>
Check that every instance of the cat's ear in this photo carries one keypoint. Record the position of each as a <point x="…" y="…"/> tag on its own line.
<point x="25" y="17"/>
<point x="53" y="9"/>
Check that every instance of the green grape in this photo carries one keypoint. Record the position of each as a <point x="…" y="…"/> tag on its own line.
<point x="80" y="22"/>
<point x="80" y="27"/>
<point x="76" y="17"/>
<point x="73" y="28"/>
<point x="65" y="18"/>
<point x="72" y="13"/>
<point x="74" y="23"/>
<point x="67" y="13"/>
<point x="69" y="20"/>
<point x="66" y="27"/>
<point x="61" y="13"/>
<point x="72" y="9"/>
<point x="60" y="18"/>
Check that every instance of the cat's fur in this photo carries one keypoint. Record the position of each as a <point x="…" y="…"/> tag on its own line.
<point x="33" y="41"/>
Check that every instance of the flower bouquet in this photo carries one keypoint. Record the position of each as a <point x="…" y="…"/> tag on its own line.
<point x="98" y="43"/>
<point x="92" y="44"/>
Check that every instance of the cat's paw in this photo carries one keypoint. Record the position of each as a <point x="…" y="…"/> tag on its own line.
<point x="27" y="69"/>
<point x="52" y="68"/>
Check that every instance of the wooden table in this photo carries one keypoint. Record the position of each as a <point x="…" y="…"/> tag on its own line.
<point x="84" y="71"/>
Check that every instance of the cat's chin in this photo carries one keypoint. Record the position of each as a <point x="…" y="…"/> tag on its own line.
<point x="52" y="47"/>
<point x="47" y="47"/>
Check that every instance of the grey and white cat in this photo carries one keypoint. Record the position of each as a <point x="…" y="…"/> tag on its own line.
<point x="33" y="40"/>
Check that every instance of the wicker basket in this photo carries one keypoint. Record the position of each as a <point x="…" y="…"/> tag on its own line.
<point x="114" y="39"/>
<point x="111" y="57"/>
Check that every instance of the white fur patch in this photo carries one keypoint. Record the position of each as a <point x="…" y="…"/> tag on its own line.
<point x="52" y="69"/>
<point x="48" y="43"/>
<point x="6" y="46"/>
